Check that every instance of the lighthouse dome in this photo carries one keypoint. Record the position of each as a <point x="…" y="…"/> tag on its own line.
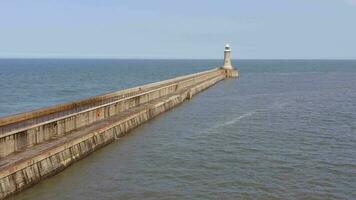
<point x="227" y="47"/>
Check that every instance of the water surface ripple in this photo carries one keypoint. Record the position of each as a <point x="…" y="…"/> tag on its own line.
<point x="283" y="130"/>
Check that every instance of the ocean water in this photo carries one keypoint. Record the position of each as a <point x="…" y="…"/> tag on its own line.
<point x="286" y="129"/>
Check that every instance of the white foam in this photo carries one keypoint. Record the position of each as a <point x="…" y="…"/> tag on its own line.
<point x="234" y="120"/>
<point x="238" y="118"/>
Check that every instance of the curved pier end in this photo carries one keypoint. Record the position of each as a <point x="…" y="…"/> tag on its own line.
<point x="230" y="71"/>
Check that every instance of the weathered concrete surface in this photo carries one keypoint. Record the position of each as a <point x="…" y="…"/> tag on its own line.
<point x="36" y="151"/>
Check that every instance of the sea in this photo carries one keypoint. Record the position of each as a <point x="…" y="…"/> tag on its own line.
<point x="285" y="129"/>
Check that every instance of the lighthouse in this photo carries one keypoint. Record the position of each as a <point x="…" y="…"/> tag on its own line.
<point x="227" y="57"/>
<point x="229" y="69"/>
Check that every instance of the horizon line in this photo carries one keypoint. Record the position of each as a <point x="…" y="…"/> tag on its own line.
<point x="151" y="58"/>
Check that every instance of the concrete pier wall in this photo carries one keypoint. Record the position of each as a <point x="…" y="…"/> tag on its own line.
<point x="73" y="137"/>
<point x="28" y="136"/>
<point x="88" y="102"/>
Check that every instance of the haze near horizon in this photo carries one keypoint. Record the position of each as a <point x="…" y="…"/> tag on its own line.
<point x="275" y="29"/>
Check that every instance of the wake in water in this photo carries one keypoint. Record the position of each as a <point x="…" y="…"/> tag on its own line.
<point x="248" y="114"/>
<point x="238" y="118"/>
<point x="233" y="120"/>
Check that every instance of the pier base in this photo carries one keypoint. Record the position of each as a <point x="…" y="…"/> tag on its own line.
<point x="232" y="73"/>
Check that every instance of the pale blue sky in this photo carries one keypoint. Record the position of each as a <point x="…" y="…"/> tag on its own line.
<point x="288" y="29"/>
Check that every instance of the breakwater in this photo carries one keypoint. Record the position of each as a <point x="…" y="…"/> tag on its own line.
<point x="38" y="144"/>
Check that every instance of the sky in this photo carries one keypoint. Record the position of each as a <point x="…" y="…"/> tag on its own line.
<point x="178" y="29"/>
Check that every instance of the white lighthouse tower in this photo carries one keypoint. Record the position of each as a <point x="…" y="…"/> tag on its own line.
<point x="227" y="57"/>
<point x="229" y="69"/>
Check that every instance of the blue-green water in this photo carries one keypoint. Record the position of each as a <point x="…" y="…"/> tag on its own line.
<point x="283" y="130"/>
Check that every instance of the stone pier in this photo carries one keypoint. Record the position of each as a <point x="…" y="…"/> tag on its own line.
<point x="41" y="143"/>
